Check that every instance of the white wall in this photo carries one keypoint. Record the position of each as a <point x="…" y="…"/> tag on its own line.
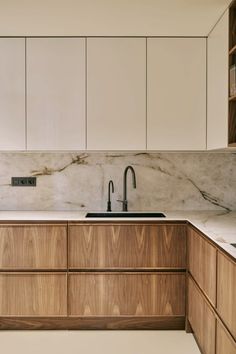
<point x="109" y="17"/>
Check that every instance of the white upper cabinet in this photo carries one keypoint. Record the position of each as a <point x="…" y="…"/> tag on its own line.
<point x="217" y="112"/>
<point x="138" y="93"/>
<point x="176" y="94"/>
<point x="116" y="93"/>
<point x="12" y="93"/>
<point x="55" y="93"/>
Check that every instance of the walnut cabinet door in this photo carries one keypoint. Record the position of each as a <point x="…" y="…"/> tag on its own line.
<point x="33" y="294"/>
<point x="126" y="294"/>
<point x="127" y="246"/>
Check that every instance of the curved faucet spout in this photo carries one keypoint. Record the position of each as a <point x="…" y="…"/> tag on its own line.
<point x="125" y="179"/>
<point x="110" y="188"/>
<point x="125" y="201"/>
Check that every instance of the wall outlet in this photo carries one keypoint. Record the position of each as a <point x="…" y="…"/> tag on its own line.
<point x="23" y="181"/>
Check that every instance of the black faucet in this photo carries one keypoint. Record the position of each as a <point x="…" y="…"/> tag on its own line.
<point x="110" y="187"/>
<point x="125" y="201"/>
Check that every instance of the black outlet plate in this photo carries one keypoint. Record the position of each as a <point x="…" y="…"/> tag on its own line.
<point x="23" y="181"/>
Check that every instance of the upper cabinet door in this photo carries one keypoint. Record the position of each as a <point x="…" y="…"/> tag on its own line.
<point x="217" y="107"/>
<point x="55" y="93"/>
<point x="12" y="93"/>
<point x="116" y="94"/>
<point x="176" y="92"/>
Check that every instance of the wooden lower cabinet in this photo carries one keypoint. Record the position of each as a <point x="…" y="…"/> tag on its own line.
<point x="202" y="263"/>
<point x="226" y="292"/>
<point x="129" y="275"/>
<point x="130" y="246"/>
<point x="33" y="294"/>
<point x="201" y="318"/>
<point x="117" y="276"/>
<point x="224" y="343"/>
<point x="33" y="247"/>
<point x="215" y="274"/>
<point x="126" y="294"/>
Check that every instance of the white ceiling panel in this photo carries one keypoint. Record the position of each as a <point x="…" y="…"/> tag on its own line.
<point x="109" y="17"/>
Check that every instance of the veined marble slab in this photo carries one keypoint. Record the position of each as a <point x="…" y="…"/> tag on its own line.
<point x="219" y="226"/>
<point x="78" y="181"/>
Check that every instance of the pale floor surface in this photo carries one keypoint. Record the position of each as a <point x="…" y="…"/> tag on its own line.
<point x="97" y="342"/>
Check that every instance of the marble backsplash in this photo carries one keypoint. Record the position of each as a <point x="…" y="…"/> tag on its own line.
<point x="78" y="181"/>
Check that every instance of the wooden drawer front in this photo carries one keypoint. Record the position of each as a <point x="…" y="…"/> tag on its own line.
<point x="224" y="343"/>
<point x="96" y="294"/>
<point x="127" y="246"/>
<point x="202" y="264"/>
<point x="226" y="292"/>
<point x="33" y="247"/>
<point x="201" y="318"/>
<point x="33" y="294"/>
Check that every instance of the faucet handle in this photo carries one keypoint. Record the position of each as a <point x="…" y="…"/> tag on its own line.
<point x="125" y="204"/>
<point x="121" y="201"/>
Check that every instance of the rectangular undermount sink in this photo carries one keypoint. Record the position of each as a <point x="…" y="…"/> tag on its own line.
<point x="125" y="215"/>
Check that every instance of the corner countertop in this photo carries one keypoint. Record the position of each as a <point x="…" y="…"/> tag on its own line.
<point x="219" y="226"/>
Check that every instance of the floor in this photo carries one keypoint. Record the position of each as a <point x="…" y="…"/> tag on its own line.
<point x="98" y="342"/>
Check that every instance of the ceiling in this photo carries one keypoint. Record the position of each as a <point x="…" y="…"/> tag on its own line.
<point x="109" y="17"/>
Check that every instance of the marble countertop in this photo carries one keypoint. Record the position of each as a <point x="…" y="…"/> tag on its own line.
<point x="219" y="226"/>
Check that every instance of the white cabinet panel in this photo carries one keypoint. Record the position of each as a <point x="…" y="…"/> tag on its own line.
<point x="176" y="92"/>
<point x="55" y="93"/>
<point x="12" y="93"/>
<point x="217" y="107"/>
<point x="116" y="93"/>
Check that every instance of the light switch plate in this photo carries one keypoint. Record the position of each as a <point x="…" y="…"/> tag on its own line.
<point x="23" y="181"/>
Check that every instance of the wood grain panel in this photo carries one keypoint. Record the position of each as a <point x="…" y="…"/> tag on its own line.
<point x="131" y="294"/>
<point x="102" y="323"/>
<point x="224" y="343"/>
<point x="231" y="61"/>
<point x="202" y="263"/>
<point x="226" y="292"/>
<point x="127" y="246"/>
<point x="232" y="25"/>
<point x="201" y="318"/>
<point x="232" y="122"/>
<point x="33" y="247"/>
<point x="25" y="294"/>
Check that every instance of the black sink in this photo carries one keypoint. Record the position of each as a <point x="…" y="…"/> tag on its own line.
<point x="125" y="215"/>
